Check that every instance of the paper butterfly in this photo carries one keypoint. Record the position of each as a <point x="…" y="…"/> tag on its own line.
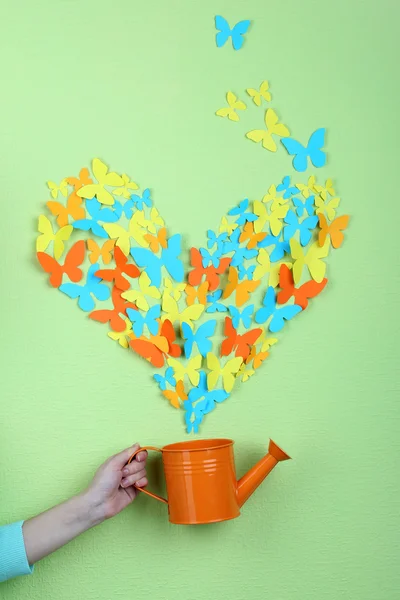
<point x="224" y="32"/>
<point x="58" y="189"/>
<point x="279" y="315"/>
<point x="145" y="289"/>
<point x="105" y="252"/>
<point x="312" y="259"/>
<point x="113" y="316"/>
<point x="227" y="372"/>
<point x="74" y="258"/>
<point x="73" y="208"/>
<point x="168" y="378"/>
<point x="104" y="178"/>
<point x="143" y="200"/>
<point x="214" y="305"/>
<point x="306" y="206"/>
<point x="190" y="369"/>
<point x="200" y="337"/>
<point x="313" y="150"/>
<point x="48" y="235"/>
<point x="244" y="316"/>
<point x="240" y="343"/>
<point x="302" y="294"/>
<point x="258" y="95"/>
<point x="85" y="293"/>
<point x="126" y="190"/>
<point x="149" y="319"/>
<point x="234" y="105"/>
<point x="106" y="215"/>
<point x="273" y="128"/>
<point x="285" y="187"/>
<point x="334" y="230"/>
<point x="168" y="259"/>
<point x="304" y="227"/>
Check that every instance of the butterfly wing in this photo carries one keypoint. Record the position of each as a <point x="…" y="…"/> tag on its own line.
<point x="310" y="289"/>
<point x="50" y="265"/>
<point x="229" y="372"/>
<point x="239" y="30"/>
<point x="215" y="370"/>
<point x="281" y="315"/>
<point x="267" y="310"/>
<point x="306" y="227"/>
<point x="146" y="259"/>
<point x="224" y="31"/>
<point x="170" y="260"/>
<point x="148" y="351"/>
<point x="297" y="150"/>
<point x="286" y="284"/>
<point x="336" y="228"/>
<point x="231" y="336"/>
<point x="315" y="145"/>
<point x="245" y="342"/>
<point x="189" y="336"/>
<point x="315" y="264"/>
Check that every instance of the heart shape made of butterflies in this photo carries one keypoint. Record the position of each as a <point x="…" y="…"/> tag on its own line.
<point x="272" y="249"/>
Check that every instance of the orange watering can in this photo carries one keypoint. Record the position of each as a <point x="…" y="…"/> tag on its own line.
<point x="201" y="480"/>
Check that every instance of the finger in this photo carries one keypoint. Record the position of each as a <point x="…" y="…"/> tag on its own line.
<point x="142" y="456"/>
<point x="142" y="482"/>
<point x="132" y="492"/>
<point x="132" y="479"/>
<point x="119" y="460"/>
<point x="133" y="467"/>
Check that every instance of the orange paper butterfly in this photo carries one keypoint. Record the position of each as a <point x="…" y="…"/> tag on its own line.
<point x="253" y="238"/>
<point x="242" y="343"/>
<point x="212" y="274"/>
<point x="155" y="348"/>
<point x="73" y="260"/>
<point x="105" y="251"/>
<point x="122" y="267"/>
<point x="193" y="294"/>
<point x="257" y="358"/>
<point x="302" y="294"/>
<point x="334" y="230"/>
<point x="174" y="396"/>
<point x="74" y="208"/>
<point x="113" y="316"/>
<point x="156" y="241"/>
<point x="243" y="288"/>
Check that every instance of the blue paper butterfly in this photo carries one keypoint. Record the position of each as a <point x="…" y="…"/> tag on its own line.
<point x="225" y="32"/>
<point x="214" y="239"/>
<point x="281" y="247"/>
<point x="139" y="201"/>
<point x="92" y="287"/>
<point x="124" y="209"/>
<point x="150" y="319"/>
<point x="240" y="253"/>
<point x="243" y="272"/>
<point x="279" y="315"/>
<point x="286" y="189"/>
<point x="200" y="402"/>
<point x="313" y="151"/>
<point x="244" y="316"/>
<point x="208" y="258"/>
<point x="200" y="337"/>
<point x="305" y="227"/>
<point x="97" y="213"/>
<point x="167" y="378"/>
<point x="168" y="259"/>
<point x="240" y="212"/>
<point x="213" y="304"/>
<point x="307" y="205"/>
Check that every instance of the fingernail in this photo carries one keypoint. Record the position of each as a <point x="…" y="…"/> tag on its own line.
<point x="125" y="471"/>
<point x="123" y="483"/>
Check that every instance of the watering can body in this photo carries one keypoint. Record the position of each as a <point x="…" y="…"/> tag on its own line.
<point x="201" y="480"/>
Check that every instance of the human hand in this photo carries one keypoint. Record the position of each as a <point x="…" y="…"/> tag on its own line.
<point x="112" y="488"/>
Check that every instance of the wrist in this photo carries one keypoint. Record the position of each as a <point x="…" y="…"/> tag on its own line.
<point x="92" y="510"/>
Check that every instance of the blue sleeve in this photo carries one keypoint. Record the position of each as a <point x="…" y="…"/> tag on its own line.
<point x="13" y="560"/>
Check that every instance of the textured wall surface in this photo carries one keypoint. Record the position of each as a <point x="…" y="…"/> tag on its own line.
<point x="137" y="84"/>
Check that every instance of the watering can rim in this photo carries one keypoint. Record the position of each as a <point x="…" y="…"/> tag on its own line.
<point x="198" y="445"/>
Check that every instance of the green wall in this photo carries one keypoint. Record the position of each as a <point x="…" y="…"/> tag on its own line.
<point x="137" y="84"/>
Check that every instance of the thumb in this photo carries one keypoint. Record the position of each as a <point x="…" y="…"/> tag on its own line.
<point x="119" y="460"/>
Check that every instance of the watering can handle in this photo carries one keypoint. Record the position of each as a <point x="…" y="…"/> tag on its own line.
<point x="160" y="498"/>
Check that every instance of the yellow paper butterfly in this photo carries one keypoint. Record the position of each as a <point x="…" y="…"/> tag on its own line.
<point x="199" y="293"/>
<point x="139" y="296"/>
<point x="312" y="260"/>
<point x="265" y="266"/>
<point x="126" y="190"/>
<point x="58" y="189"/>
<point x="307" y="189"/>
<point x="122" y="337"/>
<point x="152" y="223"/>
<point x="245" y="373"/>
<point x="326" y="207"/>
<point x="171" y="310"/>
<point x="100" y="171"/>
<point x="191" y="369"/>
<point x="174" y="396"/>
<point x="271" y="196"/>
<point x="226" y="227"/>
<point x="58" y="238"/>
<point x="325" y="190"/>
<point x="174" y="289"/>
<point x="266" y="343"/>
<point x="257" y="95"/>
<point x="234" y="105"/>
<point x="123" y="236"/>
<point x="273" y="128"/>
<point x="105" y="252"/>
<point x="273" y="218"/>
<point x="228" y="372"/>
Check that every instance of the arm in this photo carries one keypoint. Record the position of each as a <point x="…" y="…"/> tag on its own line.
<point x="109" y="493"/>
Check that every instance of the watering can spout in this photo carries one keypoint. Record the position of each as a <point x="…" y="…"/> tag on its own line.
<point x="250" y="482"/>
